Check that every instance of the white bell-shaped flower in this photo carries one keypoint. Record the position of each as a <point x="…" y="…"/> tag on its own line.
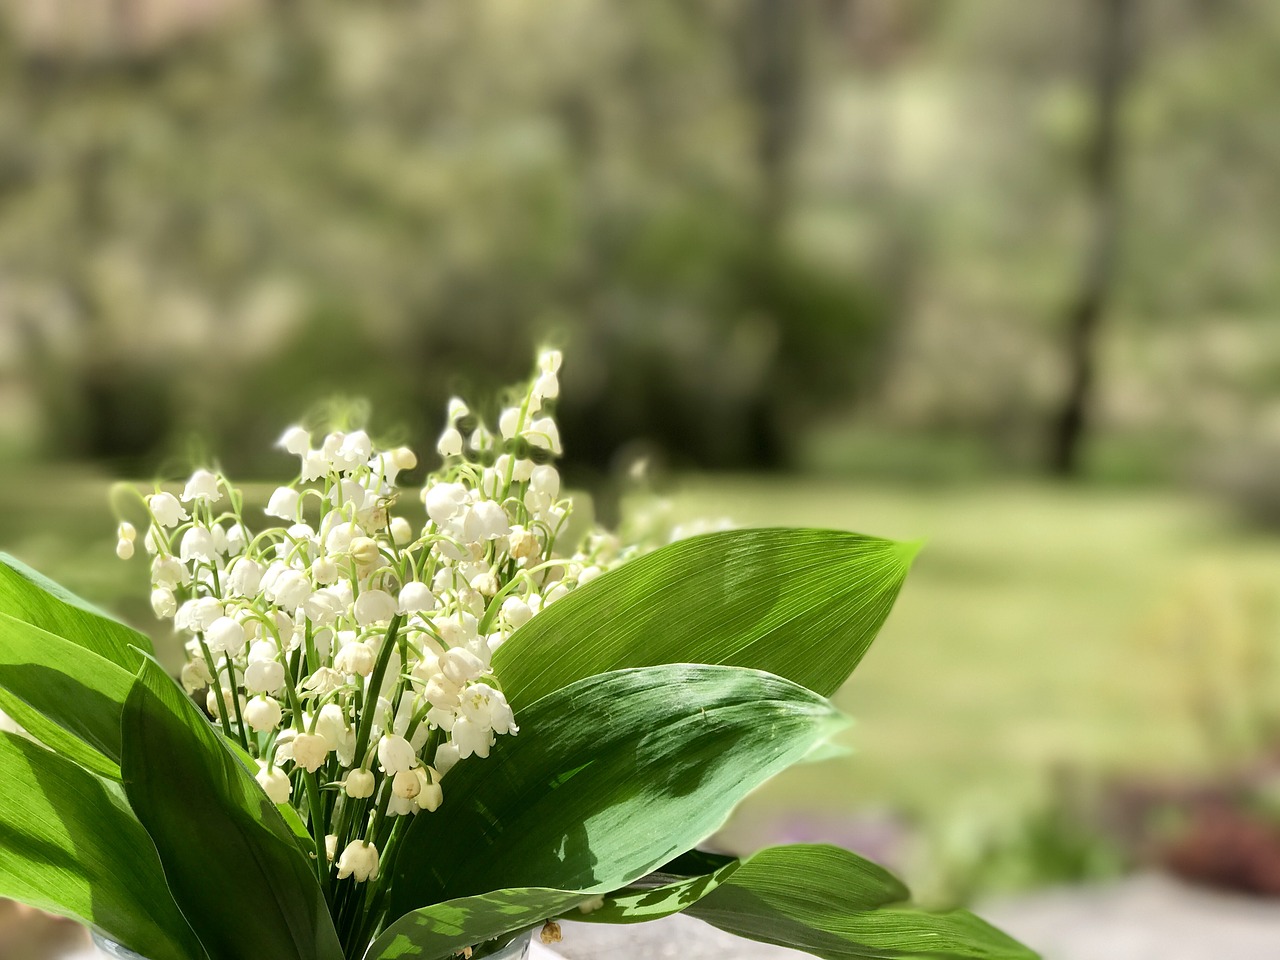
<point x="263" y="713"/>
<point x="450" y="443"/>
<point x="374" y="606"/>
<point x="395" y="753"/>
<point x="264" y="676"/>
<point x="295" y="440"/>
<point x="310" y="751"/>
<point x="225" y="635"/>
<point x="275" y="783"/>
<point x="406" y="784"/>
<point x="359" y="784"/>
<point x="355" y="658"/>
<point x="359" y="860"/>
<point x="163" y="602"/>
<point x="430" y="795"/>
<point x="415" y="597"/>
<point x="195" y="676"/>
<point x="166" y="509"/>
<point x="203" y="485"/>
<point x="283" y="504"/>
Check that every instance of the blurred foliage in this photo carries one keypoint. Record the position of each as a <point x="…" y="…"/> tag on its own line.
<point x="747" y="221"/>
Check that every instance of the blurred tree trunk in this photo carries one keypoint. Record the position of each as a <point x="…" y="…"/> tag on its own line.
<point x="771" y="61"/>
<point x="1085" y="312"/>
<point x="772" y="66"/>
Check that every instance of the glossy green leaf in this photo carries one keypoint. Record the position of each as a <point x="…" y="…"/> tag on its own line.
<point x="441" y="930"/>
<point x="608" y="778"/>
<point x="815" y="898"/>
<point x="230" y="860"/>
<point x="73" y="687"/>
<point x="69" y="845"/>
<point x="32" y="597"/>
<point x="801" y="604"/>
<point x="864" y="885"/>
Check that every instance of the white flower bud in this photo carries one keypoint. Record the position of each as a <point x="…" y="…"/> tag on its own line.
<point x="416" y="597"/>
<point x="331" y="846"/>
<point x="310" y="751"/>
<point x="127" y="531"/>
<point x="225" y="635"/>
<point x="262" y="713"/>
<point x="523" y="544"/>
<point x="276" y="784"/>
<point x="264" y="676"/>
<point x="166" y="509"/>
<point x="163" y="602"/>
<point x="359" y="860"/>
<point x="364" y="551"/>
<point x="395" y="754"/>
<point x="516" y="612"/>
<point x="124" y="549"/>
<point x="357" y="658"/>
<point x="401" y="531"/>
<point x="374" y="606"/>
<point x="549" y="361"/>
<point x="403" y="458"/>
<point x="359" y="784"/>
<point x="406" y="785"/>
<point x="203" y="485"/>
<point x="196" y="676"/>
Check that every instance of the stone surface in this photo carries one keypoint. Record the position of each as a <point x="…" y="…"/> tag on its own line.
<point x="1147" y="917"/>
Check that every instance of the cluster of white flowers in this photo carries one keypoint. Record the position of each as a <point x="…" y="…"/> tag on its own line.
<point x="348" y="649"/>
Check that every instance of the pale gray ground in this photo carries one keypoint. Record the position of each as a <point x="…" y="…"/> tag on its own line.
<point x="1146" y="917"/>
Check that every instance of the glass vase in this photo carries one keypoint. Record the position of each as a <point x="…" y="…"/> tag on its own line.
<point x="503" y="948"/>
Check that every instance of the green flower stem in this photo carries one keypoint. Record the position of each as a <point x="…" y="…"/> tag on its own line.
<point x="235" y="702"/>
<point x="222" y="706"/>
<point x="375" y="684"/>
<point x="318" y="829"/>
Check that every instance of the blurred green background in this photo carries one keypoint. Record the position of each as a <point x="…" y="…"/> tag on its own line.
<point x="1000" y="274"/>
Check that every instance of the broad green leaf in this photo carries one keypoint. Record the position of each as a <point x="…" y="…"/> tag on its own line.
<point x="864" y="885"/>
<point x="814" y="898"/>
<point x="230" y="860"/>
<point x="69" y="845"/>
<point x="30" y="596"/>
<point x="75" y="688"/>
<point x="608" y="778"/>
<point x="442" y="929"/>
<point x="801" y="604"/>
<point x="56" y="738"/>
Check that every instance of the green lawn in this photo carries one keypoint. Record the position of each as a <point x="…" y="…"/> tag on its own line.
<point x="1027" y="636"/>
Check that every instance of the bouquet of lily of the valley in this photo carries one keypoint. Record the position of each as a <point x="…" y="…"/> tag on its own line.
<point x="419" y="740"/>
